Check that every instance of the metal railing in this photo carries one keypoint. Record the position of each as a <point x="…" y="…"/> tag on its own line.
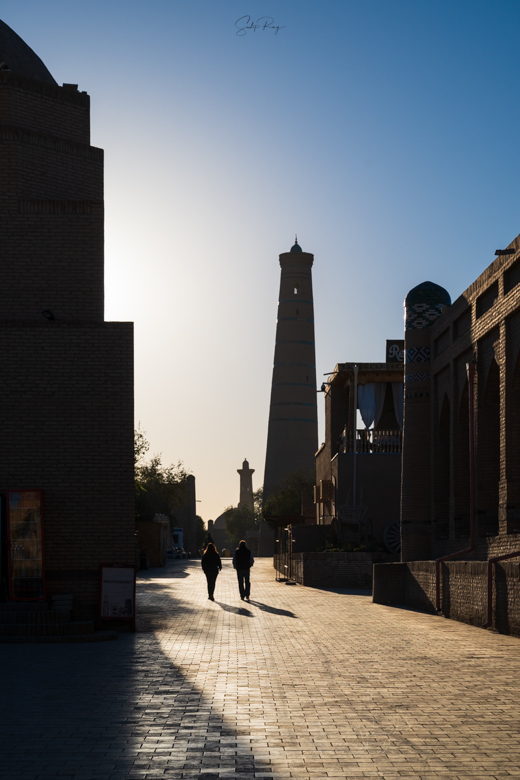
<point x="372" y="442"/>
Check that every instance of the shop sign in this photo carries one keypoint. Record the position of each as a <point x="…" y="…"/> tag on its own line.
<point x="117" y="592"/>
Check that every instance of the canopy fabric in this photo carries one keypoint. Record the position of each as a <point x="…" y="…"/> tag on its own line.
<point x="398" y="393"/>
<point x="371" y="398"/>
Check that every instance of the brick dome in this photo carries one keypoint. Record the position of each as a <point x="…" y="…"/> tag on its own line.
<point x="17" y="57"/>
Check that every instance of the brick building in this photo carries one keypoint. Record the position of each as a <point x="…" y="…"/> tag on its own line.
<point x="358" y="472"/>
<point x="66" y="388"/>
<point x="460" y="498"/>
<point x="481" y="327"/>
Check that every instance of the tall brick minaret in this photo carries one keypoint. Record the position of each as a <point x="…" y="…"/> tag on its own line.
<point x="292" y="438"/>
<point x="246" y="485"/>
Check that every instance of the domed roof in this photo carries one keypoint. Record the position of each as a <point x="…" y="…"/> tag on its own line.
<point x="17" y="57"/>
<point x="428" y="292"/>
<point x="245" y="464"/>
<point x="424" y="304"/>
<point x="296" y="247"/>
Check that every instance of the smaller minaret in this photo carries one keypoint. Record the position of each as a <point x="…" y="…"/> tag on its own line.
<point x="246" y="485"/>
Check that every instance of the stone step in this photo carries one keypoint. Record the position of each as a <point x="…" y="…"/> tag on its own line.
<point x="47" y="629"/>
<point x="40" y="617"/>
<point x="97" y="636"/>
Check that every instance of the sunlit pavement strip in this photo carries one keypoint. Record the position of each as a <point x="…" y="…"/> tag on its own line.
<point x="299" y="683"/>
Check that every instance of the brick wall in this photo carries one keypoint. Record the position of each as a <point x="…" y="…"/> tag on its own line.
<point x="153" y="539"/>
<point x="483" y="323"/>
<point x="51" y="204"/>
<point x="463" y="590"/>
<point x="331" y="570"/>
<point x="66" y="416"/>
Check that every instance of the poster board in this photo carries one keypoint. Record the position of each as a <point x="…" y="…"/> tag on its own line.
<point x="25" y="545"/>
<point x="117" y="592"/>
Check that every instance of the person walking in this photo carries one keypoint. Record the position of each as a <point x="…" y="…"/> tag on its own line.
<point x="211" y="565"/>
<point x="242" y="562"/>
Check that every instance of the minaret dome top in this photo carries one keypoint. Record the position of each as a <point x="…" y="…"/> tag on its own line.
<point x="296" y="247"/>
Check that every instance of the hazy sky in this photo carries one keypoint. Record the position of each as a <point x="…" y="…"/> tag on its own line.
<point x="386" y="134"/>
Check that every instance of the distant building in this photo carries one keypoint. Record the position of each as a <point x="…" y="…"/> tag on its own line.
<point x="66" y="396"/>
<point x="358" y="470"/>
<point x="246" y="485"/>
<point x="292" y="438"/>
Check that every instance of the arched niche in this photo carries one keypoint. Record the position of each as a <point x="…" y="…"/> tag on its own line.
<point x="441" y="490"/>
<point x="461" y="466"/>
<point x="488" y="453"/>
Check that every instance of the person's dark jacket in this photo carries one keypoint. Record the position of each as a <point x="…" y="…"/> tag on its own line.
<point x="211" y="563"/>
<point x="243" y="558"/>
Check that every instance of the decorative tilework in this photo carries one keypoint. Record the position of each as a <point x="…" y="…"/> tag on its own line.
<point x="417" y="355"/>
<point x="416" y="378"/>
<point x="422" y="315"/>
<point x="424" y="304"/>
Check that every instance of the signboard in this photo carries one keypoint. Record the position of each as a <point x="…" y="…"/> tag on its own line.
<point x="117" y="592"/>
<point x="395" y="350"/>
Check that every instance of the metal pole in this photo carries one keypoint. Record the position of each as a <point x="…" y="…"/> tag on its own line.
<point x="354" y="497"/>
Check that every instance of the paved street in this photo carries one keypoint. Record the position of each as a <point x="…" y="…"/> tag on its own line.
<point x="300" y="683"/>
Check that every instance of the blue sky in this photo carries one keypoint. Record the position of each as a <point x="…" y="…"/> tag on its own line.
<point x="384" y="133"/>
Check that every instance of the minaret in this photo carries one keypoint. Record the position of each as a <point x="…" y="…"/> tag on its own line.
<point x="292" y="437"/>
<point x="423" y="306"/>
<point x="246" y="485"/>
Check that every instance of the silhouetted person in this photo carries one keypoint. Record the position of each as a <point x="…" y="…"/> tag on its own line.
<point x="242" y="562"/>
<point x="211" y="565"/>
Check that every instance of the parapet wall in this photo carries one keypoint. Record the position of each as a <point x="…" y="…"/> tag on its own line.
<point x="463" y="590"/>
<point x="330" y="569"/>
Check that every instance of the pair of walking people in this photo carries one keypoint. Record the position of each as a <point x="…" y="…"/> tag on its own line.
<point x="242" y="561"/>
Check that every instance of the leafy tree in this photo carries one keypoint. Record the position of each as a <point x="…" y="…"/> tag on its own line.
<point x="240" y="519"/>
<point x="287" y="497"/>
<point x="158" y="488"/>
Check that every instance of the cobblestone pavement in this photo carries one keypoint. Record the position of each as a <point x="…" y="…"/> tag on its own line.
<point x="299" y="683"/>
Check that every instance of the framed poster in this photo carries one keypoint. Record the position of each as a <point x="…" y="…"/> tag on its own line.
<point x="25" y="545"/>
<point x="117" y="592"/>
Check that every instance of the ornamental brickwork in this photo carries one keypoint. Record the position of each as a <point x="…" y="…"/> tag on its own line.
<point x="483" y="325"/>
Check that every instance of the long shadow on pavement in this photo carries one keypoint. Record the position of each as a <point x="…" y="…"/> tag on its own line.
<point x="272" y="610"/>
<point x="118" y="710"/>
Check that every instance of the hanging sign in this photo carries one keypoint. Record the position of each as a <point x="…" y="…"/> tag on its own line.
<point x="117" y="592"/>
<point x="395" y="350"/>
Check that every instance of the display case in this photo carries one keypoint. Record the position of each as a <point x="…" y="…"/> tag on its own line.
<point x="25" y="545"/>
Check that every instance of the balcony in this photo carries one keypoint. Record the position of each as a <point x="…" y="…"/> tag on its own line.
<point x="372" y="442"/>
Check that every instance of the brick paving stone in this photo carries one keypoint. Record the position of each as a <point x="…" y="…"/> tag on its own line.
<point x="299" y="683"/>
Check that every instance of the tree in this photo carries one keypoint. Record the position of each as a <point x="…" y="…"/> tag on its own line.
<point x="288" y="496"/>
<point x="158" y="488"/>
<point x="240" y="519"/>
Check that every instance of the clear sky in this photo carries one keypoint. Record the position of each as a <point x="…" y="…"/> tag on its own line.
<point x="385" y="133"/>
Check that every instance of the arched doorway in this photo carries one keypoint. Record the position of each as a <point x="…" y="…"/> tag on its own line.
<point x="488" y="454"/>
<point x="461" y="471"/>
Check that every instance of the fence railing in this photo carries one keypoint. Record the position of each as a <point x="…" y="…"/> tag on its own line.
<point x="372" y="442"/>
